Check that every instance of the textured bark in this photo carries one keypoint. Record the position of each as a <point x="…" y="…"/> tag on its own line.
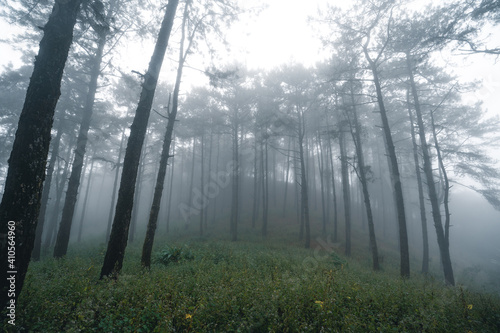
<point x="115" y="252"/>
<point x="37" y="248"/>
<point x="442" y="239"/>
<point x="64" y="232"/>
<point x="28" y="158"/>
<point x="394" y="171"/>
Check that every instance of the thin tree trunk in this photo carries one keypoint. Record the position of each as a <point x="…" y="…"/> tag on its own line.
<point x="356" y="136"/>
<point x="115" y="185"/>
<point x="345" y="190"/>
<point x="265" y="185"/>
<point x="60" y="185"/>
<point x="64" y="232"/>
<point x="115" y="252"/>
<point x="169" y="203"/>
<point x="85" y="200"/>
<point x="235" y="184"/>
<point x="436" y="213"/>
<point x="28" y="158"/>
<point x="322" y="186"/>
<point x="37" y="248"/>
<point x="334" y="192"/>
<point x="255" y="183"/>
<point x="394" y="170"/>
<point x="288" y="152"/>
<point x="304" y="190"/>
<point x="202" y="160"/>
<point x="421" y="200"/>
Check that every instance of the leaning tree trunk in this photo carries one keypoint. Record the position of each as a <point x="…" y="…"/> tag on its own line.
<point x="421" y="200"/>
<point x="64" y="232"/>
<point x="37" y="248"/>
<point x="28" y="159"/>
<point x="167" y="141"/>
<point x="394" y="170"/>
<point x="431" y="185"/>
<point x="115" y="252"/>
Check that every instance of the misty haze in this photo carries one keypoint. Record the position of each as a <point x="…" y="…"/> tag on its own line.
<point x="263" y="166"/>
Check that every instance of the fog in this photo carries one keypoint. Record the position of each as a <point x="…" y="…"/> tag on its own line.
<point x="375" y="127"/>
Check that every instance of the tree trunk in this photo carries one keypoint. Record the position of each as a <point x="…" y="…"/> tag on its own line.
<point x="431" y="185"/>
<point x="288" y="153"/>
<point x="345" y="190"/>
<point x="235" y="182"/>
<point x="113" y="259"/>
<point x="169" y="203"/>
<point x="202" y="162"/>
<point x="64" y="232"/>
<point x="303" y="185"/>
<point x="322" y="186"/>
<point x="86" y="198"/>
<point x="334" y="192"/>
<point x="28" y="159"/>
<point x="115" y="185"/>
<point x="265" y="185"/>
<point x="356" y="136"/>
<point x="421" y="200"/>
<point x="394" y="170"/>
<point x="37" y="248"/>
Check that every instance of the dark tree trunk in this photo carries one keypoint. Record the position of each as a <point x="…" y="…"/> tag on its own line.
<point x="113" y="259"/>
<point x="64" y="232"/>
<point x="421" y="200"/>
<point x="37" y="248"/>
<point x="137" y="196"/>
<point x="394" y="170"/>
<point x="436" y="213"/>
<point x="28" y="158"/>
<point x="167" y="141"/>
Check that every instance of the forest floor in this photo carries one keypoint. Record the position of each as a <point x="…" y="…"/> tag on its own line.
<point x="203" y="285"/>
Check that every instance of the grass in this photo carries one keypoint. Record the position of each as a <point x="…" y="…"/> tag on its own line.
<point x="242" y="287"/>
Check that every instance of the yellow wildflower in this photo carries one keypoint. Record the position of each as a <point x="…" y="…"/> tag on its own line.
<point x="320" y="303"/>
<point x="189" y="316"/>
<point x="469" y="306"/>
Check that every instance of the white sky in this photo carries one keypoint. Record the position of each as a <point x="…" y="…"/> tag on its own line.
<point x="281" y="34"/>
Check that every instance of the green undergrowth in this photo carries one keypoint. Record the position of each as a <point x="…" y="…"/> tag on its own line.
<point x="242" y="287"/>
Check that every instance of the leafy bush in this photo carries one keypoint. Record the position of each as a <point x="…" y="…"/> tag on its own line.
<point x="173" y="255"/>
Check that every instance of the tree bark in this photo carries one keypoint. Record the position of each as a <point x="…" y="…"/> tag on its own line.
<point x="115" y="252"/>
<point x="28" y="158"/>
